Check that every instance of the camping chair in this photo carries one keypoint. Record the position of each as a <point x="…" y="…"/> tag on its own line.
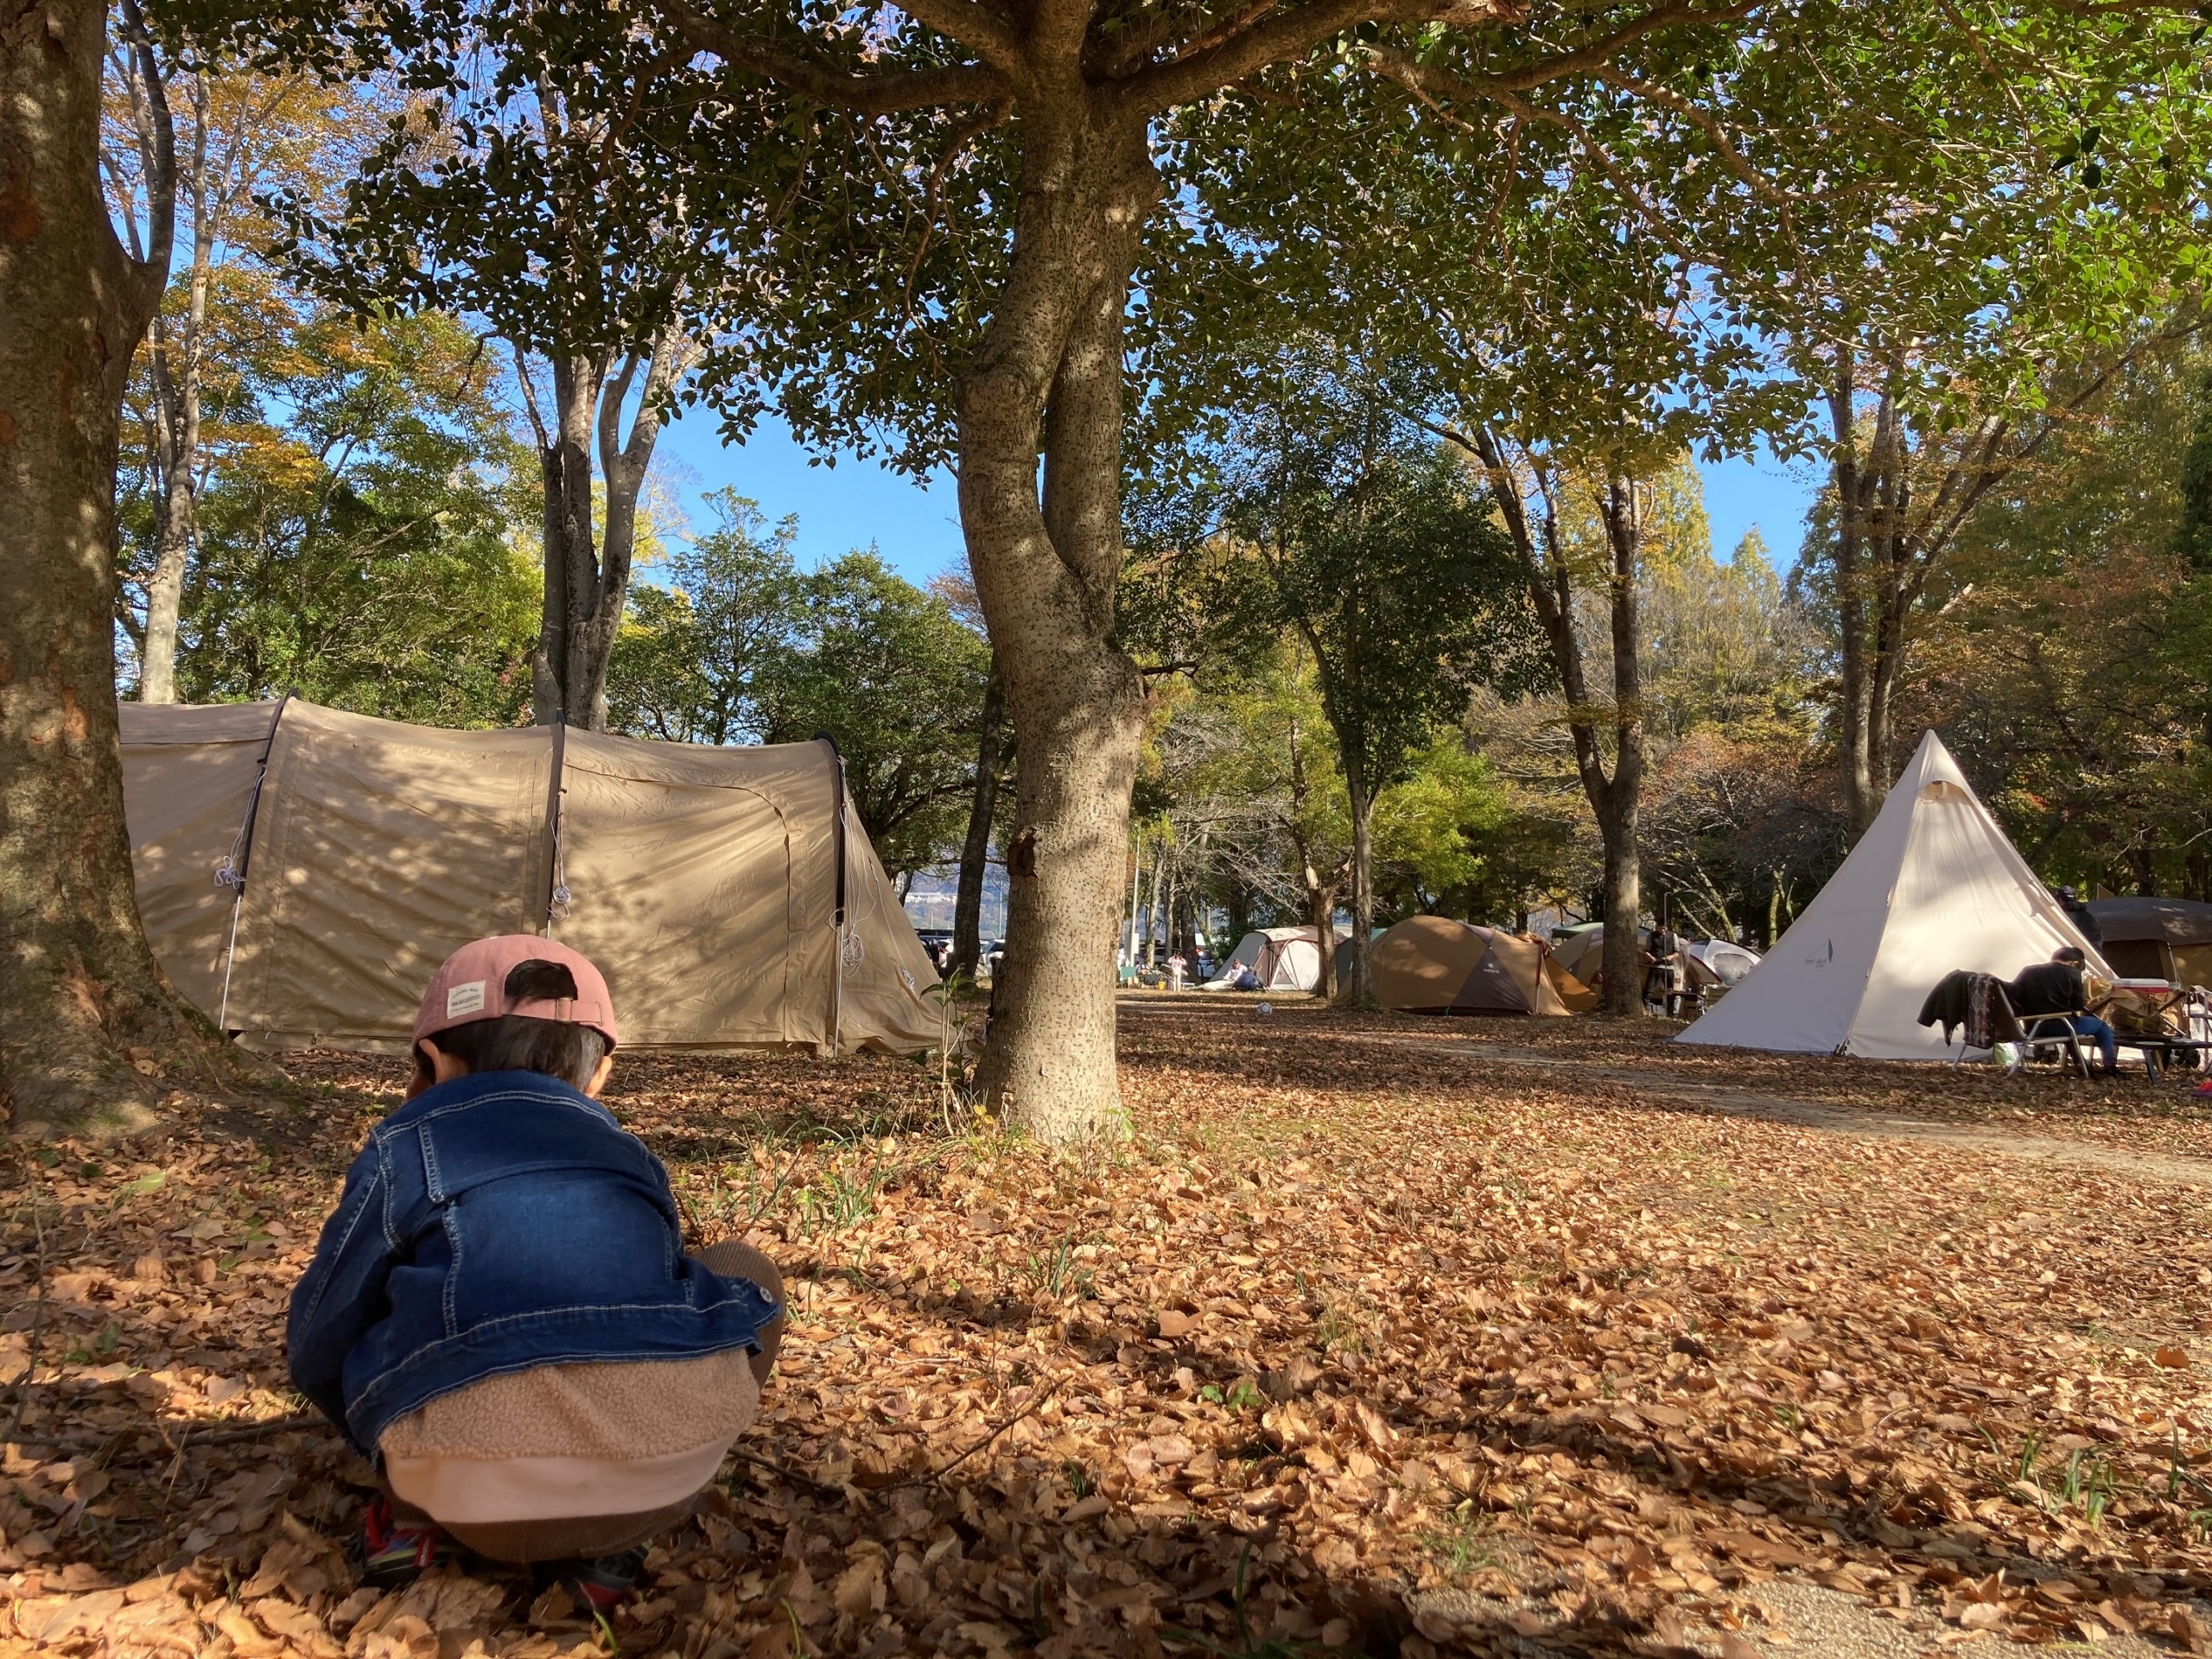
<point x="1986" y="999"/>
<point x="2035" y="1034"/>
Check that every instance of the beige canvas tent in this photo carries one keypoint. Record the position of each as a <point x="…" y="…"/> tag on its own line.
<point x="303" y="871"/>
<point x="1933" y="885"/>
<point x="1430" y="964"/>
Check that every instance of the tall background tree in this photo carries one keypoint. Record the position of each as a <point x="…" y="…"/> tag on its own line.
<point x="742" y="647"/>
<point x="522" y="189"/>
<point x="232" y="134"/>
<point x="1346" y="523"/>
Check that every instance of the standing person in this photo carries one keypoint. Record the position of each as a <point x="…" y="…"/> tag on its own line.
<point x="2056" y="986"/>
<point x="1176" y="964"/>
<point x="2085" y="923"/>
<point x="500" y="1314"/>
<point x="1662" y="983"/>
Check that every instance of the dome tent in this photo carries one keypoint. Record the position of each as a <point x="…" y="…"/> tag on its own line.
<point x="2157" y="938"/>
<point x="1431" y="964"/>
<point x="1718" y="962"/>
<point x="302" y="872"/>
<point x="1283" y="959"/>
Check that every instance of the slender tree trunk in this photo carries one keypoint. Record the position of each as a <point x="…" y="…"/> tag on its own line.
<point x="587" y="574"/>
<point x="78" y="988"/>
<point x="1850" y="600"/>
<point x="1047" y="378"/>
<point x="975" y="851"/>
<point x="1320" y="893"/>
<point x="1152" y="908"/>
<point x="1137" y="894"/>
<point x="1167" y="915"/>
<point x="1357" y="990"/>
<point x="178" y="354"/>
<point x="572" y="550"/>
<point x="1620" y="807"/>
<point x="1613" y="799"/>
<point x="165" y="587"/>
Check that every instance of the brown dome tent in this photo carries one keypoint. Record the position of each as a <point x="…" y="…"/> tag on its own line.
<point x="2157" y="938"/>
<point x="302" y="871"/>
<point x="1430" y="964"/>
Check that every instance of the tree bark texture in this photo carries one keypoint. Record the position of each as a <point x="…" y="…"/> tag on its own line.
<point x="982" y="812"/>
<point x="1615" y="799"/>
<point x="79" y="988"/>
<point x="1047" y="378"/>
<point x="1357" y="990"/>
<point x="587" y="572"/>
<point x="176" y="351"/>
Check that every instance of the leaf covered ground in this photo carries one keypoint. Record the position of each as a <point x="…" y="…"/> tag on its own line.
<point x="1380" y="1334"/>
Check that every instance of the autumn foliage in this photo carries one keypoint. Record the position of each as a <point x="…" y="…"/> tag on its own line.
<point x="1381" y="1333"/>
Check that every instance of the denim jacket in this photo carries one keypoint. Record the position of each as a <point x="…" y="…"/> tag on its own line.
<point x="496" y="1223"/>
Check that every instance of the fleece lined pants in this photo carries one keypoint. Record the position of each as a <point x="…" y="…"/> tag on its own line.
<point x="568" y="1461"/>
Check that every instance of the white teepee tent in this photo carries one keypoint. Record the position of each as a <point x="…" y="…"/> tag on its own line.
<point x="1932" y="885"/>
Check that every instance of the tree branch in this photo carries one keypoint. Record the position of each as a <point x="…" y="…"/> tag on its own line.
<point x="1202" y="69"/>
<point x="1588" y="58"/>
<point x="160" y="184"/>
<point x="877" y="94"/>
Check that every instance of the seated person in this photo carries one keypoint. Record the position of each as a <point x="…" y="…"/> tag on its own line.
<point x="1248" y="978"/>
<point x="500" y="1314"/>
<point x="2056" y="987"/>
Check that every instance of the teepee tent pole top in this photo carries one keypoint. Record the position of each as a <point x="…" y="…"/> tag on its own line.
<point x="1933" y="885"/>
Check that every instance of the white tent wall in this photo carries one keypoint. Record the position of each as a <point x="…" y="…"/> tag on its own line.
<point x="1933" y="885"/>
<point x="1296" y="967"/>
<point x="1284" y="958"/>
<point x="705" y="881"/>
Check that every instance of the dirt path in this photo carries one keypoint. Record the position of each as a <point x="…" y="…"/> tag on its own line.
<point x="1660" y="1087"/>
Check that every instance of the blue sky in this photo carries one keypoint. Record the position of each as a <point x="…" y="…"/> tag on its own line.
<point x="1762" y="491"/>
<point x="917" y="530"/>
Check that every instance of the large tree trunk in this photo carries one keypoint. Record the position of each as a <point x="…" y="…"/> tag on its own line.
<point x="1048" y="377"/>
<point x="975" y="851"/>
<point x="79" y="988"/>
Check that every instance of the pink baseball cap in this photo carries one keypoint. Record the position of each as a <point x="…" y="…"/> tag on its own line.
<point x="472" y="985"/>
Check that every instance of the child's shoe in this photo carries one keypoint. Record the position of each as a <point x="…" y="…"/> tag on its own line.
<point x="392" y="1554"/>
<point x="597" y="1586"/>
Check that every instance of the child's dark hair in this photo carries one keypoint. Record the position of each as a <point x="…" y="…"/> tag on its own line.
<point x="516" y="1042"/>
